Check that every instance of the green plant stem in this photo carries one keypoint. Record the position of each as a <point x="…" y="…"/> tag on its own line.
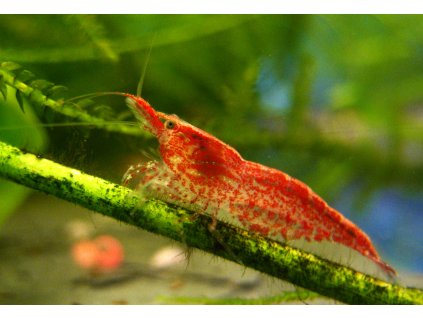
<point x="278" y="260"/>
<point x="288" y="296"/>
<point x="71" y="111"/>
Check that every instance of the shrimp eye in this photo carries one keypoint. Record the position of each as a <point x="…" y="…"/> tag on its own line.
<point x="169" y="124"/>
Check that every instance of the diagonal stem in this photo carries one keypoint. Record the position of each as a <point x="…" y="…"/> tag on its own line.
<point x="278" y="260"/>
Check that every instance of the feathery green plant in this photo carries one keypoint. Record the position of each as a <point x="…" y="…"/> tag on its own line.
<point x="43" y="94"/>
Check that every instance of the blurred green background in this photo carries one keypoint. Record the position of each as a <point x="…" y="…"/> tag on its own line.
<point x="335" y="101"/>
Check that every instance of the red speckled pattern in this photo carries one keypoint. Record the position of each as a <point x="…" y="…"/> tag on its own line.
<point x="201" y="173"/>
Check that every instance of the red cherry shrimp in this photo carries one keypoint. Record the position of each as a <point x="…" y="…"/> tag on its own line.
<point x="200" y="172"/>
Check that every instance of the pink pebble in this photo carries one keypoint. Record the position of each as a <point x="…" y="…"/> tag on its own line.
<point x="103" y="253"/>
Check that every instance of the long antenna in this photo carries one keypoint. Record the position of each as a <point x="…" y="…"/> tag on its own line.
<point x="93" y="95"/>
<point x="144" y="68"/>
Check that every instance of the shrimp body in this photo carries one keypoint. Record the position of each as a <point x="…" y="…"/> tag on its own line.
<point x="201" y="173"/>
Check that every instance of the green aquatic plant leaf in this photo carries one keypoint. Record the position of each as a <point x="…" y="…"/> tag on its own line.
<point x="10" y="66"/>
<point x="20" y="100"/>
<point x="25" y="76"/>
<point x="41" y="84"/>
<point x="85" y="103"/>
<point x="57" y="91"/>
<point x="3" y="87"/>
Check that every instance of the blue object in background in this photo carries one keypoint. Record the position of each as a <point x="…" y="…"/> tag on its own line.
<point x="394" y="221"/>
